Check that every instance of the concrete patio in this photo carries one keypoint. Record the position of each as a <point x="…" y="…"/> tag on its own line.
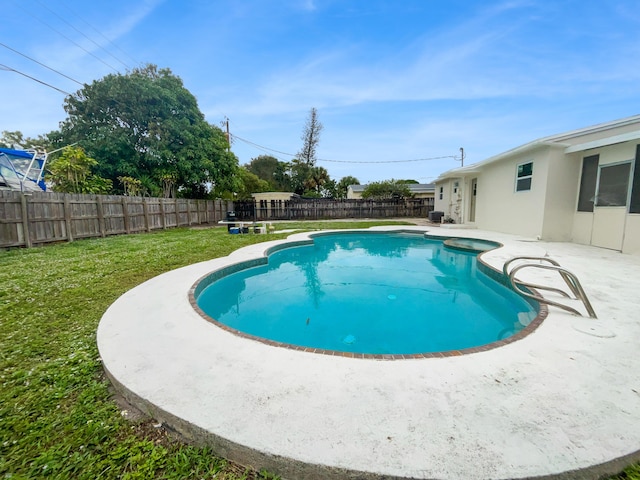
<point x="563" y="402"/>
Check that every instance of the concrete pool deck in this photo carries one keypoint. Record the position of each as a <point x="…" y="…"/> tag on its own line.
<point x="563" y="402"/>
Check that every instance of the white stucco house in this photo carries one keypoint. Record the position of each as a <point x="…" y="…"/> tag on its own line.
<point x="581" y="186"/>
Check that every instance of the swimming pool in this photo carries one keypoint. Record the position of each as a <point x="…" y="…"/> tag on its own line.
<point x="369" y="293"/>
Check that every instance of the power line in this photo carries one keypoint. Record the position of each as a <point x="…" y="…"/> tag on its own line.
<point x="67" y="38"/>
<point x="82" y="33"/>
<point x="347" y="161"/>
<point x="4" y="67"/>
<point x="389" y="161"/>
<point x="100" y="33"/>
<point x="42" y="64"/>
<point x="261" y="147"/>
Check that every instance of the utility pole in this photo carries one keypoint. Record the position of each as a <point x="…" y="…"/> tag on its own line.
<point x="461" y="157"/>
<point x="227" y="134"/>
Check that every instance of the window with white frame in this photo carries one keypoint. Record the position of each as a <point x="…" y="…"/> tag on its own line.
<point x="441" y="192"/>
<point x="524" y="174"/>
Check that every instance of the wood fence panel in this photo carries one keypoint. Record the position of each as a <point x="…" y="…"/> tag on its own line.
<point x="315" y="209"/>
<point x="113" y="215"/>
<point x="44" y="217"/>
<point x="155" y="213"/>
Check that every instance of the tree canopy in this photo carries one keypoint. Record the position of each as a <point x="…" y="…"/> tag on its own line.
<point x="17" y="140"/>
<point x="343" y="185"/>
<point x="250" y="183"/>
<point x="146" y="125"/>
<point x="386" y="189"/>
<point x="71" y="172"/>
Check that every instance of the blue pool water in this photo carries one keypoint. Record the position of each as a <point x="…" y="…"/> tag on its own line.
<point x="374" y="293"/>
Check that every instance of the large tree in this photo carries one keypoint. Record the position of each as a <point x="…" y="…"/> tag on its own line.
<point x="250" y="183"/>
<point x="310" y="138"/>
<point x="265" y="167"/>
<point x="146" y="125"/>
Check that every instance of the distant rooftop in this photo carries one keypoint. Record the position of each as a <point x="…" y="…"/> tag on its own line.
<point x="413" y="187"/>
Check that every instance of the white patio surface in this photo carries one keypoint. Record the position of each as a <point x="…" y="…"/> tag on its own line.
<point x="564" y="402"/>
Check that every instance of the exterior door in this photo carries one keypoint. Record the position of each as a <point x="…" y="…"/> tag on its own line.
<point x="610" y="210"/>
<point x="472" y="203"/>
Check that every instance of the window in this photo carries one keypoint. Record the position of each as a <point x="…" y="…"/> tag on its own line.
<point x="613" y="185"/>
<point x="588" y="182"/>
<point x="523" y="176"/>
<point x="441" y="192"/>
<point x="455" y="187"/>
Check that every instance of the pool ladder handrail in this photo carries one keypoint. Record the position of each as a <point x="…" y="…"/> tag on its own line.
<point x="570" y="279"/>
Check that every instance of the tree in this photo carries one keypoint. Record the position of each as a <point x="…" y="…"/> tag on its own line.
<point x="343" y="186"/>
<point x="317" y="177"/>
<point x="330" y="189"/>
<point x="17" y="140"/>
<point x="386" y="189"/>
<point x="250" y="183"/>
<point x="311" y="138"/>
<point x="71" y="173"/>
<point x="146" y="125"/>
<point x="265" y="168"/>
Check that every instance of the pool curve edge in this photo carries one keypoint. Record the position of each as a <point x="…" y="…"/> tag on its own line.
<point x="494" y="274"/>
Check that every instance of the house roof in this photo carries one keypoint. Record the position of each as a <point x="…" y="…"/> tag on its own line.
<point x="569" y="141"/>
<point x="413" y="187"/>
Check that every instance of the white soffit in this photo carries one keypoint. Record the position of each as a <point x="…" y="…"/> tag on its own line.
<point x="603" y="142"/>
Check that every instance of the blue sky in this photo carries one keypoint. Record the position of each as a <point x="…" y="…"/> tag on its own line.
<point x="391" y="80"/>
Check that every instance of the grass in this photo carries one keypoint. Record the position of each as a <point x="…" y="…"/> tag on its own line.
<point x="58" y="418"/>
<point x="57" y="415"/>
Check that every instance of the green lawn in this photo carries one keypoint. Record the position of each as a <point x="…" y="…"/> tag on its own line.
<point x="57" y="415"/>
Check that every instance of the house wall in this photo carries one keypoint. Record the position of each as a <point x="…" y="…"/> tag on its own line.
<point x="583" y="222"/>
<point x="631" y="242"/>
<point x="451" y="202"/>
<point x="440" y="204"/>
<point x="501" y="208"/>
<point x="268" y="196"/>
<point x="351" y="195"/>
<point x="563" y="183"/>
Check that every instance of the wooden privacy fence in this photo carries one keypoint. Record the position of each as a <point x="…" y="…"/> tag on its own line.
<point x="322" y="208"/>
<point x="39" y="217"/>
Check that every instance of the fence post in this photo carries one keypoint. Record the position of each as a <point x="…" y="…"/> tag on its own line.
<point x="145" y="211"/>
<point x="100" y="209"/>
<point x="25" y="220"/>
<point x="125" y="213"/>
<point x="67" y="218"/>
<point x="163" y="220"/>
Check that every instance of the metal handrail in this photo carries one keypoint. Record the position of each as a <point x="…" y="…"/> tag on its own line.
<point x="505" y="269"/>
<point x="572" y="282"/>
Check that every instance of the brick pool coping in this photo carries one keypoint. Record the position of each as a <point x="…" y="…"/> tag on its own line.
<point x="484" y="267"/>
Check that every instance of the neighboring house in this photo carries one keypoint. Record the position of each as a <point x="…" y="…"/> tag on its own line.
<point x="581" y="186"/>
<point x="419" y="190"/>
<point x="270" y="204"/>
